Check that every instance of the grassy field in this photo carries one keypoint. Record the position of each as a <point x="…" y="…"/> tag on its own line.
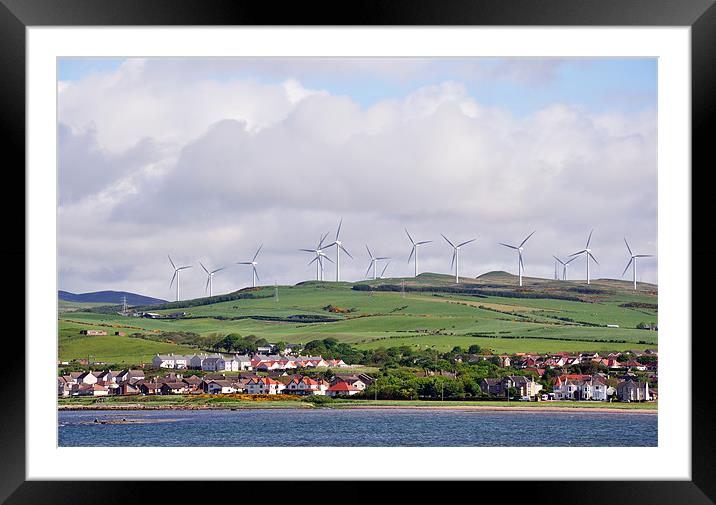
<point x="371" y="319"/>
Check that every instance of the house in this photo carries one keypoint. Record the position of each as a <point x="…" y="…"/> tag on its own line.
<point x="93" y="332"/>
<point x="174" y="388"/>
<point x="127" y="388"/>
<point x="91" y="390"/>
<point x="491" y="387"/>
<point x="120" y="333"/>
<point x="219" y="387"/>
<point x="131" y="376"/>
<point x="150" y="388"/>
<point x="64" y="387"/>
<point x="196" y="361"/>
<point x="353" y="380"/>
<point x="171" y="361"/>
<point x="342" y="388"/>
<point x="305" y="386"/>
<point x="264" y="386"/>
<point x="633" y="391"/>
<point x="525" y="386"/>
<point x="87" y="378"/>
<point x="581" y="387"/>
<point x="107" y="376"/>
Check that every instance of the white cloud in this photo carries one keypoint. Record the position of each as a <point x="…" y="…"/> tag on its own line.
<point x="208" y="169"/>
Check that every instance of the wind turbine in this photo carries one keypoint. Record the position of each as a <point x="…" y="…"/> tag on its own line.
<point x="373" y="263"/>
<point x="565" y="266"/>
<point x="210" y="277"/>
<point x="519" y="249"/>
<point x="456" y="256"/>
<point x="176" y="274"/>
<point x="339" y="246"/>
<point x="253" y="263"/>
<point x="632" y="261"/>
<point x="414" y="250"/>
<point x="587" y="254"/>
<point x="318" y="251"/>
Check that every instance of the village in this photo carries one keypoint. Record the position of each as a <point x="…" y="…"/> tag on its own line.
<point x="619" y="376"/>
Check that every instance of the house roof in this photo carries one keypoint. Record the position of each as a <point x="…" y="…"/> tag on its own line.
<point x="342" y="386"/>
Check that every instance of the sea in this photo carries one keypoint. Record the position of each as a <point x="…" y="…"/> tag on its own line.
<point x="354" y="428"/>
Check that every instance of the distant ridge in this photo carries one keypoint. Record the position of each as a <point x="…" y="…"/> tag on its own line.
<point x="113" y="297"/>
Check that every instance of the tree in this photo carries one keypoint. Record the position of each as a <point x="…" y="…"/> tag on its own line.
<point x="474" y="349"/>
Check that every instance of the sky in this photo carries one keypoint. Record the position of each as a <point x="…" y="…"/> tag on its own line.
<point x="206" y="159"/>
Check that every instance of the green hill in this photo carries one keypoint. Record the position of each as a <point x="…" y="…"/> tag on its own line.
<point x="430" y="310"/>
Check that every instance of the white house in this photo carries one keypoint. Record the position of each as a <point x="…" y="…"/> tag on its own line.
<point x="221" y="387"/>
<point x="264" y="386"/>
<point x="170" y="361"/>
<point x="306" y="386"/>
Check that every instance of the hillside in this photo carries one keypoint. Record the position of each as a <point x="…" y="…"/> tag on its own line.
<point x="542" y="316"/>
<point x="110" y="297"/>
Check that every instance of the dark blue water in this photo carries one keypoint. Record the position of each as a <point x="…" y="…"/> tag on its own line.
<point x="351" y="428"/>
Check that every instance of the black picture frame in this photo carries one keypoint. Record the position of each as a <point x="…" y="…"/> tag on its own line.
<point x="700" y="15"/>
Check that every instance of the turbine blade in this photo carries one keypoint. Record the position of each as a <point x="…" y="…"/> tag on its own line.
<point x="314" y="259"/>
<point x="339" y="228"/>
<point x="329" y="259"/>
<point x="522" y="264"/>
<point x="452" y="263"/>
<point x="555" y="257"/>
<point x="256" y="273"/>
<point x="382" y="258"/>
<point x="307" y="250"/>
<point x="218" y="270"/>
<point x="508" y="245"/>
<point x="384" y="269"/>
<point x="595" y="259"/>
<point x="628" y="248"/>
<point x="589" y="239"/>
<point x="345" y="251"/>
<point x="411" y="253"/>
<point x="369" y="267"/>
<point x="528" y="237"/>
<point x="571" y="260"/>
<point x="369" y="253"/>
<point x="170" y="261"/>
<point x="202" y="266"/>
<point x="411" y="238"/>
<point x="173" y="277"/>
<point x="643" y="255"/>
<point x="466" y="242"/>
<point x="578" y="252"/>
<point x="184" y="267"/>
<point x="423" y="242"/>
<point x="257" y="252"/>
<point x="322" y="239"/>
<point x="249" y="263"/>
<point x="208" y="280"/>
<point x="448" y="240"/>
<point x="627" y="267"/>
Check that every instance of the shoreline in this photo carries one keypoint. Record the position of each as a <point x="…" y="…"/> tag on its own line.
<point x="483" y="408"/>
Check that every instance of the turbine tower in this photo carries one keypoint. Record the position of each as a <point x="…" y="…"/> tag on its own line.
<point x="176" y="274"/>
<point x="373" y="262"/>
<point x="456" y="256"/>
<point x="632" y="261"/>
<point x="210" y="277"/>
<point x="414" y="250"/>
<point x="565" y="266"/>
<point x="587" y="254"/>
<point x="339" y="247"/>
<point x="253" y="263"/>
<point x="519" y="249"/>
<point x="318" y="251"/>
